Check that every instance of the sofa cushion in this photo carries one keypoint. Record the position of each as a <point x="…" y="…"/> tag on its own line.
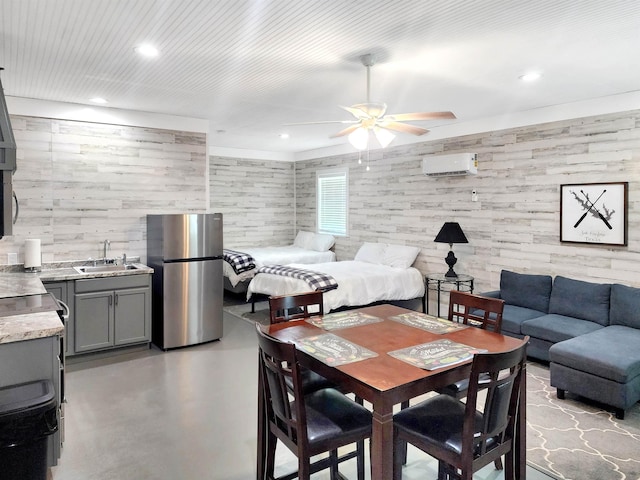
<point x="611" y="352"/>
<point x="513" y="316"/>
<point x="524" y="290"/>
<point x="625" y="306"/>
<point x="556" y="328"/>
<point x="586" y="300"/>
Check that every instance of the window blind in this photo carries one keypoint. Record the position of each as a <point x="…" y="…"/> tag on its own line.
<point x="332" y="202"/>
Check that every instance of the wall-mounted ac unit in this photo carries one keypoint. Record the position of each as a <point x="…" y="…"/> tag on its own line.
<point x="450" y="165"/>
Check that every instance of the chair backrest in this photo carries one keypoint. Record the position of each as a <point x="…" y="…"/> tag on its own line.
<point x="290" y="307"/>
<point x="483" y="312"/>
<point x="286" y="416"/>
<point x="500" y="376"/>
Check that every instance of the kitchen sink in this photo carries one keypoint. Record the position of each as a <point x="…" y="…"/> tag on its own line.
<point x="104" y="268"/>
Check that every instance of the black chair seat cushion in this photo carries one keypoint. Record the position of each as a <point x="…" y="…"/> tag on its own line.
<point x="437" y="421"/>
<point x="331" y="416"/>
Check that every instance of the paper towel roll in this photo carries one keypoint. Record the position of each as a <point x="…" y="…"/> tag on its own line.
<point x="32" y="253"/>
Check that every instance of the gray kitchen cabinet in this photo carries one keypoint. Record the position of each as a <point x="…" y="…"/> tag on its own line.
<point x="64" y="291"/>
<point x="112" y="312"/>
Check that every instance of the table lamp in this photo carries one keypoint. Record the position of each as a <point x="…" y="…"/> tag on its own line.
<point x="451" y="233"/>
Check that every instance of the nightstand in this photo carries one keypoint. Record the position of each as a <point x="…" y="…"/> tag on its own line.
<point x="439" y="283"/>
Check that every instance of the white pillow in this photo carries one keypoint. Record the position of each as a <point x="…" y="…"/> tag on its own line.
<point x="371" y="253"/>
<point x="399" y="256"/>
<point x="303" y="240"/>
<point x="322" y="242"/>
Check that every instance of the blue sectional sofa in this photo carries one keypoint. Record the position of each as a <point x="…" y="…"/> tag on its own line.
<point x="588" y="332"/>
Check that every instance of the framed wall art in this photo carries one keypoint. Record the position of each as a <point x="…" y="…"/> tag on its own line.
<point x="594" y="213"/>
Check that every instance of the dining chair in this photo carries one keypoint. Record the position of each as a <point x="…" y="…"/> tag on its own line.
<point x="284" y="308"/>
<point x="292" y="307"/>
<point x="481" y="312"/>
<point x="478" y="311"/>
<point x="465" y="437"/>
<point x="308" y="425"/>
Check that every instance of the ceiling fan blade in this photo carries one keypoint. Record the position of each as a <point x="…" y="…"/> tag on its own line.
<point x="346" y="131"/>
<point x="356" y="112"/>
<point x="318" y="123"/>
<point x="404" y="117"/>
<point x="403" y="127"/>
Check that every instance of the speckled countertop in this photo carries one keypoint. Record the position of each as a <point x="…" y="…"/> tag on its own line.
<point x="29" y="326"/>
<point x="19" y="284"/>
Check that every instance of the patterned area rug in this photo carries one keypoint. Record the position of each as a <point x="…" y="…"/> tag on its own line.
<point x="570" y="439"/>
<point x="575" y="439"/>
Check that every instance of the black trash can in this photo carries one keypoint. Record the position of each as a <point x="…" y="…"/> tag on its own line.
<point x="27" y="418"/>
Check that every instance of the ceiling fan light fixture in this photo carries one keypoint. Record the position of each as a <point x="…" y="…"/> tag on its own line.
<point x="384" y="136"/>
<point x="359" y="138"/>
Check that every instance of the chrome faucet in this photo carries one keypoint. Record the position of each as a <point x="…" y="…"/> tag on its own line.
<point x="106" y="247"/>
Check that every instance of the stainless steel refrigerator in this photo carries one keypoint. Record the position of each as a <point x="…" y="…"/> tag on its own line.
<point x="185" y="252"/>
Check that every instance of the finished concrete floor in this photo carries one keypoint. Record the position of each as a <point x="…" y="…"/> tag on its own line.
<point x="186" y="414"/>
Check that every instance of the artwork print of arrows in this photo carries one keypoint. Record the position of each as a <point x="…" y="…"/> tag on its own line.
<point x="591" y="207"/>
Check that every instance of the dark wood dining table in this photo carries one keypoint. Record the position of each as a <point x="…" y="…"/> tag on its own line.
<point x="385" y="381"/>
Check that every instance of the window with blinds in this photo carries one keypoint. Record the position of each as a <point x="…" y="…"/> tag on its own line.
<point x="333" y="198"/>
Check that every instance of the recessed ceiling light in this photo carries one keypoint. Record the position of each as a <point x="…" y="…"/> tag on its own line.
<point x="530" y="77"/>
<point x="99" y="100"/>
<point x="147" y="50"/>
<point x="284" y="136"/>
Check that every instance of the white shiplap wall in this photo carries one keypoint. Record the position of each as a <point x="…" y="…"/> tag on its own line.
<point x="515" y="223"/>
<point x="256" y="198"/>
<point x="80" y="183"/>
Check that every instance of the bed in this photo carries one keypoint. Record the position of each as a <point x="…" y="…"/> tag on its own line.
<point x="307" y="248"/>
<point x="379" y="273"/>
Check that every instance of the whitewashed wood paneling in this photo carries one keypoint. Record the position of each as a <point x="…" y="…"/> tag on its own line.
<point x="80" y="183"/>
<point x="514" y="224"/>
<point x="256" y="198"/>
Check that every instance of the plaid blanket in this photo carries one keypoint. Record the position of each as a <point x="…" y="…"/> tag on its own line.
<point x="239" y="261"/>
<point x="316" y="280"/>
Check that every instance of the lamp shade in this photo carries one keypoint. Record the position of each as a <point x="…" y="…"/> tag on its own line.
<point x="451" y="233"/>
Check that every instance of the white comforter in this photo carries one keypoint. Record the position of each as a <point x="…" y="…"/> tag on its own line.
<point x="275" y="256"/>
<point x="359" y="283"/>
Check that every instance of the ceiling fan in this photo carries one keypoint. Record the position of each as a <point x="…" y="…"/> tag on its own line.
<point x="371" y="117"/>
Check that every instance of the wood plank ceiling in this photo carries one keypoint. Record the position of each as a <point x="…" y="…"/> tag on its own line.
<point x="249" y="66"/>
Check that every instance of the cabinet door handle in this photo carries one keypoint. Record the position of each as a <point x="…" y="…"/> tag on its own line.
<point x="116" y="299"/>
<point x="110" y="300"/>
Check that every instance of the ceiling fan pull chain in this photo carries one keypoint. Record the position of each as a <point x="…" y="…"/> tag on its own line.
<point x="367" y="157"/>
